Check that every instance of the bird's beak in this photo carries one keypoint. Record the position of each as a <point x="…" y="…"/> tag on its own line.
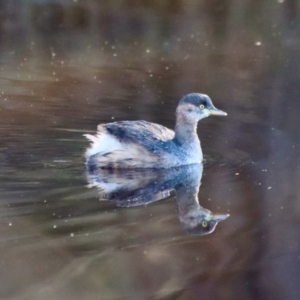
<point x="217" y="112"/>
<point x="219" y="217"/>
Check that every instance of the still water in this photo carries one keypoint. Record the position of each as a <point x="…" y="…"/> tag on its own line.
<point x="70" y="234"/>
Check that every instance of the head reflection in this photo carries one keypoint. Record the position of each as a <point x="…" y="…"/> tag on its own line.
<point x="129" y="188"/>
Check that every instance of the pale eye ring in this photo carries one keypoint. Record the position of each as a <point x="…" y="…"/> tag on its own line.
<point x="204" y="224"/>
<point x="201" y="106"/>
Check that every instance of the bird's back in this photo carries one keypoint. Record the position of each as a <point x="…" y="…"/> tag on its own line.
<point x="148" y="134"/>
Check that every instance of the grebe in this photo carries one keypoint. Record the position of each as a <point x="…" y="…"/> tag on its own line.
<point x="141" y="144"/>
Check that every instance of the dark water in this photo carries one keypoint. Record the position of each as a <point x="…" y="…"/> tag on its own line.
<point x="60" y="78"/>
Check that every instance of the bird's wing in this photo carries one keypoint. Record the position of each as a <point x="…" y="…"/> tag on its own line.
<point x="142" y="132"/>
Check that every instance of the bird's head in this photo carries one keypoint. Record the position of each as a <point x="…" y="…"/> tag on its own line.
<point x="194" y="107"/>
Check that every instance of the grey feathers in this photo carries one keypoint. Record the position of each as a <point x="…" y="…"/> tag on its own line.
<point x="150" y="135"/>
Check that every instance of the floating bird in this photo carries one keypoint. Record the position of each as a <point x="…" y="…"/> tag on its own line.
<point x="141" y="144"/>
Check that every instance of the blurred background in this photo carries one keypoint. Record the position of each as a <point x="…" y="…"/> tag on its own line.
<point x="67" y="65"/>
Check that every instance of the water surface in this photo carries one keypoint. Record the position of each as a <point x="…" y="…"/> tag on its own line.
<point x="60" y="240"/>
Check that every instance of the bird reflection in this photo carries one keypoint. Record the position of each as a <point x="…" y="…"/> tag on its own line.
<point x="129" y="188"/>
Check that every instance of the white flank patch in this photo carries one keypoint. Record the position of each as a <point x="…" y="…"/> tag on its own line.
<point x="102" y="143"/>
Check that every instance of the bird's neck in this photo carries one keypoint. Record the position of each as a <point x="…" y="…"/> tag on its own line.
<point x="185" y="132"/>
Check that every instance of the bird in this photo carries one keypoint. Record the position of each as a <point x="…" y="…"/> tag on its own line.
<point x="141" y="144"/>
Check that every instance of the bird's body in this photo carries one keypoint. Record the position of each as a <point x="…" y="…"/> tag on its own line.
<point x="141" y="144"/>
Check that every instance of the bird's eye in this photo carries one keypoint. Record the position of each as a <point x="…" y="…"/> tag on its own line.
<point x="201" y="106"/>
<point x="204" y="224"/>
